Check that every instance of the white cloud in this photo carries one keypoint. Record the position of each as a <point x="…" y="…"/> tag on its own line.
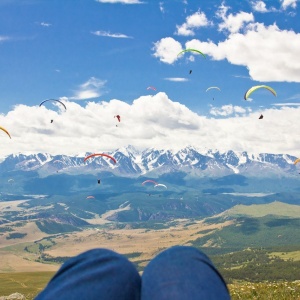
<point x="288" y="3"/>
<point x="193" y="21"/>
<point x="112" y="35"/>
<point x="270" y="54"/>
<point x="259" y="6"/>
<point x="90" y="89"/>
<point x="4" y="38"/>
<point x="227" y="110"/>
<point x="44" y="24"/>
<point x="150" y="121"/>
<point x="167" y="50"/>
<point x="233" y="23"/>
<point x="286" y="104"/>
<point x="120" y="1"/>
<point x="161" y="7"/>
<point x="177" y="79"/>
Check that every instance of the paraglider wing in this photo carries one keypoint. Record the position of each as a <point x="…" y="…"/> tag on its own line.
<point x="151" y="88"/>
<point x="296" y="161"/>
<point x="150" y="181"/>
<point x="5" y="131"/>
<point x="118" y="117"/>
<point x="261" y="117"/>
<point x="54" y="101"/>
<point x="256" y="87"/>
<point x="90" y="197"/>
<point x="191" y="50"/>
<point x="161" y="185"/>
<point x="100" y="154"/>
<point x="213" y="87"/>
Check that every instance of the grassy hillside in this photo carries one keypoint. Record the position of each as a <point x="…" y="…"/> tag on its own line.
<point x="275" y="208"/>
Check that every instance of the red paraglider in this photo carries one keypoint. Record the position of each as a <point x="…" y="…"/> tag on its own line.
<point x="118" y="117"/>
<point x="100" y="154"/>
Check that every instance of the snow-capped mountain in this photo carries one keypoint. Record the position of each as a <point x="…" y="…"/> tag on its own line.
<point x="154" y="162"/>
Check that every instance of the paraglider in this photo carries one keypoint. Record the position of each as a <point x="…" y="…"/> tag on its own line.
<point x="90" y="197"/>
<point x="191" y="50"/>
<point x="261" y="117"/>
<point x="213" y="87"/>
<point x="296" y="161"/>
<point x="161" y="185"/>
<point x="99" y="181"/>
<point x="149" y="181"/>
<point x="118" y="117"/>
<point x="256" y="87"/>
<point x="3" y="129"/>
<point x="100" y="154"/>
<point x="191" y="71"/>
<point x="54" y="101"/>
<point x="151" y="88"/>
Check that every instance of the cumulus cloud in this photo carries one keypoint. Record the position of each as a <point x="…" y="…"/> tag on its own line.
<point x="233" y="23"/>
<point x="150" y="121"/>
<point x="92" y="88"/>
<point x="177" y="79"/>
<point x="255" y="50"/>
<point x="227" y="110"/>
<point x="120" y="1"/>
<point x="112" y="35"/>
<point x="167" y="50"/>
<point x="288" y="3"/>
<point x="194" y="21"/>
<point x="259" y="6"/>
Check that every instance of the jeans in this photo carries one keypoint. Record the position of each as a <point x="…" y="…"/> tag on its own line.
<point x="180" y="272"/>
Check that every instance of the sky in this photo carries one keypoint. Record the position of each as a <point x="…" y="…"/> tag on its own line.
<point x="103" y="58"/>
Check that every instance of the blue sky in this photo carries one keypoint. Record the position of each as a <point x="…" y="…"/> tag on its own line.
<point x="99" y="57"/>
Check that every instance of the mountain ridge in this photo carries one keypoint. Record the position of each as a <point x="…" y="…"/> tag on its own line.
<point x="155" y="162"/>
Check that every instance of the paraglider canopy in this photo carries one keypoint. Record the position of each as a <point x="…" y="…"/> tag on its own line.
<point x="118" y="117"/>
<point x="149" y="181"/>
<point x="256" y="87"/>
<point x="151" y="88"/>
<point x="53" y="100"/>
<point x="161" y="185"/>
<point x="3" y="129"/>
<point x="213" y="87"/>
<point x="261" y="117"/>
<point x="191" y="50"/>
<point x="296" y="161"/>
<point x="90" y="197"/>
<point x="99" y="181"/>
<point x="100" y="154"/>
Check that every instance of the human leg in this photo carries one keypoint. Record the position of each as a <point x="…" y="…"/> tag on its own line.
<point x="94" y="274"/>
<point x="182" y="272"/>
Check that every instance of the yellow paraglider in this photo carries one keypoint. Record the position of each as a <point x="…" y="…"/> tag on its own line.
<point x="296" y="161"/>
<point x="256" y="87"/>
<point x="5" y="131"/>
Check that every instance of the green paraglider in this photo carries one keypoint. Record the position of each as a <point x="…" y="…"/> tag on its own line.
<point x="191" y="50"/>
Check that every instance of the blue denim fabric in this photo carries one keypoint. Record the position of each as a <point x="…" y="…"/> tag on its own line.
<point x="180" y="272"/>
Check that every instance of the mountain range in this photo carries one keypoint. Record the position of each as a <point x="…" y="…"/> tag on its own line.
<point x="154" y="163"/>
